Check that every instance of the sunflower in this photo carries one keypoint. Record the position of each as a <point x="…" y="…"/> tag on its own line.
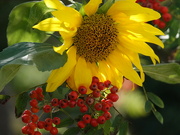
<point x="103" y="41"/>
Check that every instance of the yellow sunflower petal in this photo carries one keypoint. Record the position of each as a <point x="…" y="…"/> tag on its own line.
<point x="50" y="24"/>
<point x="124" y="66"/>
<point x="105" y="70"/>
<point x="134" y="57"/>
<point x="56" y="4"/>
<point x="91" y="7"/>
<point x="58" y="76"/>
<point x="67" y="43"/>
<point x="134" y="10"/>
<point x="82" y="74"/>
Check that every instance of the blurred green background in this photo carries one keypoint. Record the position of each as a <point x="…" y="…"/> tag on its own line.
<point x="131" y="104"/>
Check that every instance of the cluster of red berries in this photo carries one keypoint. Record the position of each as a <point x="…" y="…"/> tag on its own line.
<point x="163" y="10"/>
<point x="95" y="106"/>
<point x="99" y="101"/>
<point x="33" y="122"/>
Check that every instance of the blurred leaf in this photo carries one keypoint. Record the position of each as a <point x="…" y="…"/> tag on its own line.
<point x="7" y="73"/>
<point x="158" y="116"/>
<point x="116" y="123"/>
<point x="72" y="131"/>
<point x="155" y="99"/>
<point x="65" y="123"/>
<point x="4" y="98"/>
<point x="26" y="53"/>
<point x="168" y="73"/>
<point x="21" y="103"/>
<point x="21" y="20"/>
<point x="148" y="106"/>
<point x="123" y="127"/>
<point x="174" y="28"/>
<point x="106" y="127"/>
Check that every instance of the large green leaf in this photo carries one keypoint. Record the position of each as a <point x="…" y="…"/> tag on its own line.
<point x="26" y="53"/>
<point x="72" y="131"/>
<point x="7" y="73"/>
<point x="21" y="20"/>
<point x="168" y="73"/>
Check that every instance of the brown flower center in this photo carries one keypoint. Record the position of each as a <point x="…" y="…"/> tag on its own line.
<point x="96" y="38"/>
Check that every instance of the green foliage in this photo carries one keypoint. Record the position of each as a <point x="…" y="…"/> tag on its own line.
<point x="26" y="53"/>
<point x="72" y="131"/>
<point x="4" y="98"/>
<point x="21" y="103"/>
<point x="155" y="99"/>
<point x="7" y="73"/>
<point x="148" y="106"/>
<point x="158" y="116"/>
<point x="168" y="73"/>
<point x="65" y="123"/>
<point x="21" y="20"/>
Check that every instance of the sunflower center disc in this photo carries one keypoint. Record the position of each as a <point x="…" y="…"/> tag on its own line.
<point x="96" y="38"/>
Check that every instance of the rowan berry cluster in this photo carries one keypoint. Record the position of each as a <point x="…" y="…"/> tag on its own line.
<point x="32" y="120"/>
<point x="163" y="10"/>
<point x="94" y="106"/>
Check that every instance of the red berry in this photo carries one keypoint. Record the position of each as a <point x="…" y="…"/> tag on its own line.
<point x="89" y="100"/>
<point x="72" y="103"/>
<point x="93" y="86"/>
<point x="39" y="90"/>
<point x="54" y="102"/>
<point x="73" y="95"/>
<point x="46" y="108"/>
<point x="107" y="83"/>
<point x="98" y="106"/>
<point x="34" y="118"/>
<point x="95" y="79"/>
<point x="156" y="22"/>
<point x="63" y="103"/>
<point x="107" y="115"/>
<point x="166" y="17"/>
<point x="164" y="9"/>
<point x="84" y="109"/>
<point x="96" y="93"/>
<point x="94" y="122"/>
<point x="54" y="131"/>
<point x="161" y="25"/>
<point x="101" y="86"/>
<point x="48" y="127"/>
<point x="26" y="118"/>
<point x="109" y="102"/>
<point x="48" y="121"/>
<point x="33" y="102"/>
<point x="82" y="90"/>
<point x="32" y="125"/>
<point x="101" y="120"/>
<point x="105" y="107"/>
<point x="27" y="112"/>
<point x="114" y="89"/>
<point x="37" y="133"/>
<point x="86" y="118"/>
<point x="156" y="6"/>
<point x="81" y="124"/>
<point x="40" y="124"/>
<point x="113" y="97"/>
<point x="56" y="120"/>
<point x="33" y="94"/>
<point x="24" y="129"/>
<point x="80" y="102"/>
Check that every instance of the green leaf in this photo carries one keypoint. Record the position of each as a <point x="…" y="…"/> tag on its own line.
<point x="21" y="103"/>
<point x="148" y="106"/>
<point x="7" y="73"/>
<point x="21" y="20"/>
<point x="158" y="116"/>
<point x="4" y="98"/>
<point x="116" y="123"/>
<point x="65" y="123"/>
<point x="123" y="130"/>
<point x="106" y="127"/>
<point x="155" y="99"/>
<point x="174" y="28"/>
<point x="168" y="73"/>
<point x="72" y="131"/>
<point x="26" y="53"/>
